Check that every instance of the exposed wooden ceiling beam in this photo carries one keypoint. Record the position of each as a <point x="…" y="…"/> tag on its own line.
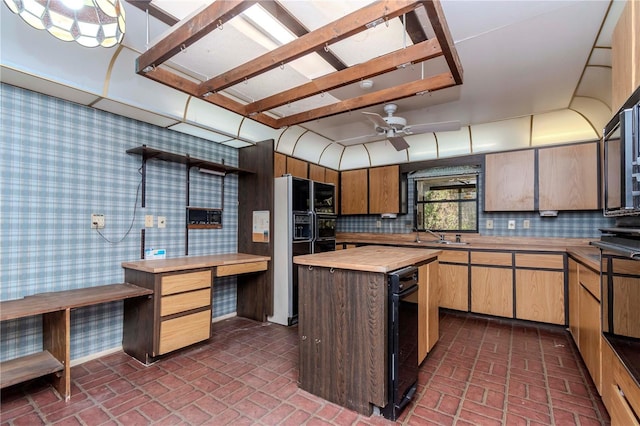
<point x="198" y="26"/>
<point x="436" y="82"/>
<point x="293" y="25"/>
<point x="340" y="29"/>
<point x="383" y="64"/>
<point x="159" y="14"/>
<point x="413" y="27"/>
<point x="440" y="27"/>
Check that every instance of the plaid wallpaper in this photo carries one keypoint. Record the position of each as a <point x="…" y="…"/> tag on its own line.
<point x="60" y="162"/>
<point x="579" y="224"/>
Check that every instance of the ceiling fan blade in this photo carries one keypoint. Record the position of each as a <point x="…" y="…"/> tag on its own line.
<point x="377" y="120"/>
<point x="361" y="139"/>
<point x="398" y="143"/>
<point x="443" y="126"/>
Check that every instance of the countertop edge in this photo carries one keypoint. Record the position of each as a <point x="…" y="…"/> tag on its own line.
<point x="184" y="263"/>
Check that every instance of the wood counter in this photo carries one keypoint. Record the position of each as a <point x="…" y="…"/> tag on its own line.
<point x="368" y="258"/>
<point x="156" y="266"/>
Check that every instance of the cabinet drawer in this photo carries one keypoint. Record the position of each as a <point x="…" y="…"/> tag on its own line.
<point x="590" y="280"/>
<point x="491" y="258"/>
<point x="241" y="268"/>
<point x="183" y="331"/>
<point x="181" y="302"/>
<point x="178" y="283"/>
<point x="624" y="266"/>
<point x="542" y="261"/>
<point x="454" y="256"/>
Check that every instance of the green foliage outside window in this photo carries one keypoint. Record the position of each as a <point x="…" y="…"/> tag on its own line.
<point x="447" y="204"/>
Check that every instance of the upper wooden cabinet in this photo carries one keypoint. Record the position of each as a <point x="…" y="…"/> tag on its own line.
<point x="297" y="168"/>
<point x="354" y="190"/>
<point x="384" y="190"/>
<point x="568" y="177"/>
<point x="625" y="55"/>
<point x="279" y="164"/>
<point x="510" y="181"/>
<point x="317" y="173"/>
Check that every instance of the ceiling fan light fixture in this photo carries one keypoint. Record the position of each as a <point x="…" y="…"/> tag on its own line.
<point x="90" y="23"/>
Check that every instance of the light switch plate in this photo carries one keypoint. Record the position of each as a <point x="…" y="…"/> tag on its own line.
<point x="162" y="222"/>
<point x="511" y="224"/>
<point x="489" y="224"/>
<point x="148" y="221"/>
<point x="526" y="224"/>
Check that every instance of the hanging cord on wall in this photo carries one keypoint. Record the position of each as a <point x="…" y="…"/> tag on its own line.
<point x="133" y="219"/>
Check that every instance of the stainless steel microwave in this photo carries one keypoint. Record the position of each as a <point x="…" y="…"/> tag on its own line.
<point x="621" y="140"/>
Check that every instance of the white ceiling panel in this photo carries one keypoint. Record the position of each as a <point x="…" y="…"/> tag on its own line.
<point x="451" y="144"/>
<point x="355" y="157"/>
<point x="286" y="143"/>
<point x="212" y="116"/>
<point x="200" y="132"/>
<point x="134" y="112"/>
<point x="310" y="146"/>
<point x="331" y="156"/>
<point x="383" y="153"/>
<point x="422" y="147"/>
<point x="501" y="135"/>
<point x="594" y="111"/>
<point x="560" y="126"/>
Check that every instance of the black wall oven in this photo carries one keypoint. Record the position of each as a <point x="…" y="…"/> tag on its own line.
<point x="402" y="340"/>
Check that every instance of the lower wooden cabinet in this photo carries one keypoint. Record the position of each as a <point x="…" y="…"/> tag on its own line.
<point x="453" y="276"/>
<point x="428" y="316"/>
<point x="492" y="291"/>
<point x="179" y="316"/>
<point x="540" y="296"/>
<point x="584" y="316"/>
<point x="620" y="393"/>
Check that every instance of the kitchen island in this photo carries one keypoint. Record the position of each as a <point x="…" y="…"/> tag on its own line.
<point x="344" y="321"/>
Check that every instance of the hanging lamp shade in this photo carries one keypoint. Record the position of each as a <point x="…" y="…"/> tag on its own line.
<point x="91" y="23"/>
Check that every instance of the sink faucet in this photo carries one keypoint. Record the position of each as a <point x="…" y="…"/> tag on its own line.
<point x="417" y="235"/>
<point x="439" y="236"/>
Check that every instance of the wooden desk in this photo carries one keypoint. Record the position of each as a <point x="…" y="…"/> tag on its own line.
<point x="180" y="313"/>
<point x="55" y="308"/>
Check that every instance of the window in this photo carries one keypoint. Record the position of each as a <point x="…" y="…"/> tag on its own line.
<point x="447" y="203"/>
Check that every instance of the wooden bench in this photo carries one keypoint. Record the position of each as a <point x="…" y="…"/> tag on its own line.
<point x="55" y="308"/>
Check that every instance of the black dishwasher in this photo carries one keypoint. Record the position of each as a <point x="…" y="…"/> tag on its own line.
<point x="402" y="340"/>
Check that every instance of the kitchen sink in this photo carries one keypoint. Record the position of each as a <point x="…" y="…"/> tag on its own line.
<point x="446" y="242"/>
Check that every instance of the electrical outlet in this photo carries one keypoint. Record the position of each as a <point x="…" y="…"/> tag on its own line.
<point x="378" y="224"/>
<point x="526" y="224"/>
<point x="97" y="221"/>
<point x="162" y="222"/>
<point x="148" y="221"/>
<point x="511" y="224"/>
<point x="489" y="224"/>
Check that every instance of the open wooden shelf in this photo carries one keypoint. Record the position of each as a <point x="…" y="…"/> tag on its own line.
<point x="28" y="367"/>
<point x="152" y="153"/>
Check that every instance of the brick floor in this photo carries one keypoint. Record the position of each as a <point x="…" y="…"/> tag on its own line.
<point x="483" y="371"/>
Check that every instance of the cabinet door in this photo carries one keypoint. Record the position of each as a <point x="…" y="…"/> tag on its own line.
<point x="297" y="168"/>
<point x="354" y="191"/>
<point x="454" y="287"/>
<point x="574" y="309"/>
<point x="509" y="181"/>
<point x="384" y="190"/>
<point x="589" y="343"/>
<point x="428" y="318"/>
<point x="625" y="60"/>
<point x="316" y="173"/>
<point x="568" y="177"/>
<point x="279" y="164"/>
<point x="540" y="295"/>
<point x="492" y="291"/>
<point x="333" y="176"/>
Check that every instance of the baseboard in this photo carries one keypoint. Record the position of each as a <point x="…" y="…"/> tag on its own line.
<point x="96" y="355"/>
<point x="224" y="317"/>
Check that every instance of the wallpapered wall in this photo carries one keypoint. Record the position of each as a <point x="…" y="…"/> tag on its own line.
<point x="579" y="224"/>
<point x="60" y="162"/>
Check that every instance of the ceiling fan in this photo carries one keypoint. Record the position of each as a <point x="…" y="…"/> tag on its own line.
<point x="395" y="127"/>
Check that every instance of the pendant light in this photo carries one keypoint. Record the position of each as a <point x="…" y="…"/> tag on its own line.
<point x="90" y="23"/>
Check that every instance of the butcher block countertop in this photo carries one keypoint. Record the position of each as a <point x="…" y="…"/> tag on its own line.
<point x="156" y="266"/>
<point x="473" y="241"/>
<point x="368" y="258"/>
